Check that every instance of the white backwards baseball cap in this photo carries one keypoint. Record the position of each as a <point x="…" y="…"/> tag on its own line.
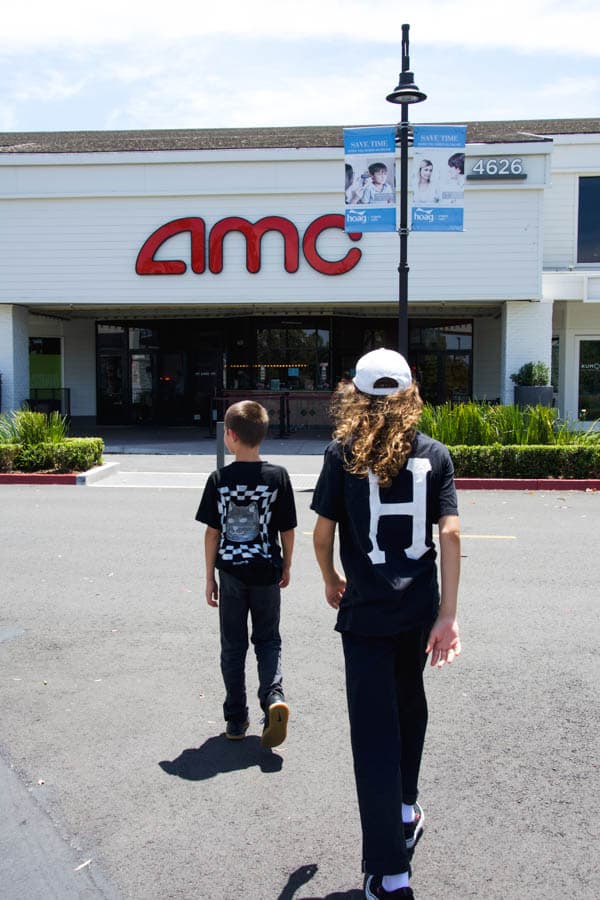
<point x="379" y="364"/>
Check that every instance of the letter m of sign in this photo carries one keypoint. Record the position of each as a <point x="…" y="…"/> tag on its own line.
<point x="415" y="508"/>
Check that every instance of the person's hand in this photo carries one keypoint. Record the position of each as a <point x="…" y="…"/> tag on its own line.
<point x="334" y="590"/>
<point x="444" y="641"/>
<point x="285" y="577"/>
<point x="212" y="592"/>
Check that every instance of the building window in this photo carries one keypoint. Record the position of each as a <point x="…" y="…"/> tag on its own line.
<point x="588" y="231"/>
<point x="589" y="380"/>
<point x="441" y="356"/>
<point x="45" y="363"/>
<point x="554" y="370"/>
<point x="288" y="358"/>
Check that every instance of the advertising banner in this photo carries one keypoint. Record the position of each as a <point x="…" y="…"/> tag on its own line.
<point x="370" y="179"/>
<point x="438" y="177"/>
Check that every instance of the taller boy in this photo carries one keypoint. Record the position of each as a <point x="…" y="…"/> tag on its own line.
<point x="385" y="484"/>
<point x="246" y="506"/>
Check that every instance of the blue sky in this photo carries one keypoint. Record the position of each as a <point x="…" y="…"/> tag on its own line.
<point x="68" y="66"/>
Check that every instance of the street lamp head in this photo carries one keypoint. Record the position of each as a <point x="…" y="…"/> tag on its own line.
<point x="406" y="91"/>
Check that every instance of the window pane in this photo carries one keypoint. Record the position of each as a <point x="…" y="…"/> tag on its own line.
<point x="588" y="243"/>
<point x="292" y="359"/>
<point x="112" y="336"/>
<point x="589" y="380"/>
<point x="45" y="363"/>
<point x="140" y="338"/>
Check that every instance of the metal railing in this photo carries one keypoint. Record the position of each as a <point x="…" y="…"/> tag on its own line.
<point x="49" y="400"/>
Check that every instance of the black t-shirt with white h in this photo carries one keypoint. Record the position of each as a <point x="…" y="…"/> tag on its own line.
<point x="249" y="503"/>
<point x="386" y="544"/>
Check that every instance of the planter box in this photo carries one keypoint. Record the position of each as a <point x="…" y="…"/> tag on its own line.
<point x="533" y="395"/>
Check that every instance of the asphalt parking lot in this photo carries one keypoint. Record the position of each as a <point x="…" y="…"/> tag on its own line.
<point x="118" y="783"/>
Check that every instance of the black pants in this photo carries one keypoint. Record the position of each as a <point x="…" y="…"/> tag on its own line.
<point x="263" y="602"/>
<point x="388" y="719"/>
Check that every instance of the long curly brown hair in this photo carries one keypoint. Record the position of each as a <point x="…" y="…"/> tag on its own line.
<point x="376" y="433"/>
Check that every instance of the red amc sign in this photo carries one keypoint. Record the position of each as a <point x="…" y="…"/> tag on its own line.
<point x="146" y="264"/>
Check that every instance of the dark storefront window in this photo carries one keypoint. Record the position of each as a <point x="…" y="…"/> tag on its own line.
<point x="284" y="357"/>
<point x="441" y="355"/>
<point x="173" y="372"/>
<point x="165" y="373"/>
<point x="588" y="229"/>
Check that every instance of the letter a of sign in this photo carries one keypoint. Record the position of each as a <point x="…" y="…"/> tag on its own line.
<point x="415" y="508"/>
<point x="146" y="264"/>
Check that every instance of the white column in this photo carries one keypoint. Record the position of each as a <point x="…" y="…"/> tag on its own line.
<point x="526" y="337"/>
<point x="14" y="355"/>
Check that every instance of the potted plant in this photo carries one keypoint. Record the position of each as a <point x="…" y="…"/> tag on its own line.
<point x="532" y="385"/>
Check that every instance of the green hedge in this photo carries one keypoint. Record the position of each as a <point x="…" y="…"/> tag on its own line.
<point x="79" y="454"/>
<point x="68" y="455"/>
<point x="529" y="461"/>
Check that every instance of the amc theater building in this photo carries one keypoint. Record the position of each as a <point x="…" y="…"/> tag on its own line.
<point x="143" y="274"/>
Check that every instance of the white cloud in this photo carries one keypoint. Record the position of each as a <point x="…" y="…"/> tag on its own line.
<point x="527" y="26"/>
<point x="52" y="86"/>
<point x="570" y="87"/>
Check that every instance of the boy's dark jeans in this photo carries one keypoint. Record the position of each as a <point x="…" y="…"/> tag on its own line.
<point x="263" y="602"/>
<point x="388" y="719"/>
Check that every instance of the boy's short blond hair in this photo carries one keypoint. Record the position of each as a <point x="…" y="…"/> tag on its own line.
<point x="249" y="420"/>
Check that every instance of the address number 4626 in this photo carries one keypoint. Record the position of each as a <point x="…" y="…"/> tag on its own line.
<point x="504" y="166"/>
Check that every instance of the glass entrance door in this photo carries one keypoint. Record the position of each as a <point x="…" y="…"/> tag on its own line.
<point x="171" y="400"/>
<point x="112" y="400"/>
<point x="441" y="354"/>
<point x="589" y="379"/>
<point x="142" y="368"/>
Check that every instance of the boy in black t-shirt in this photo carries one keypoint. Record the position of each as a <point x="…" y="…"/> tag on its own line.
<point x="385" y="485"/>
<point x="246" y="506"/>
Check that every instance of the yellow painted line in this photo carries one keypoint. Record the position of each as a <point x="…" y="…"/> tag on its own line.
<point x="475" y="537"/>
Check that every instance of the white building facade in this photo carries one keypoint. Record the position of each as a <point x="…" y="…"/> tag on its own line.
<point x="144" y="274"/>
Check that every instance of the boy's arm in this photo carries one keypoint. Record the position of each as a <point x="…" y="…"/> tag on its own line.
<point x="323" y="539"/>
<point x="444" y="640"/>
<point x="287" y="548"/>
<point x="212" y="536"/>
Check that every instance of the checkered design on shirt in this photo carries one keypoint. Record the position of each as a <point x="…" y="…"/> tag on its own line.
<point x="264" y="498"/>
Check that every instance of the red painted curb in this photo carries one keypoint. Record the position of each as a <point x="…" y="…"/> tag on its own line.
<point x="528" y="484"/>
<point x="36" y="478"/>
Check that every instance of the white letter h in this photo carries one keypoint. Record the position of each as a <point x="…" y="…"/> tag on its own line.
<point x="415" y="508"/>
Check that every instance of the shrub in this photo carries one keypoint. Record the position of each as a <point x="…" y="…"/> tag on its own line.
<point x="483" y="424"/>
<point x="31" y="428"/>
<point x="78" y="454"/>
<point x="35" y="457"/>
<point x="70" y="455"/>
<point x="528" y="461"/>
<point x="7" y="456"/>
<point x="532" y="374"/>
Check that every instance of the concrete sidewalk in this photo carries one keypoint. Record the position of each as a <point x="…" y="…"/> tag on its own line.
<point x="184" y="458"/>
<point x="190" y="441"/>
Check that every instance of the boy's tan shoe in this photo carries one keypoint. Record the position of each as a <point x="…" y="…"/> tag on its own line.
<point x="276" y="719"/>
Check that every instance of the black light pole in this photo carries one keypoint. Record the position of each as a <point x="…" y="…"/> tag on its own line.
<point x="405" y="93"/>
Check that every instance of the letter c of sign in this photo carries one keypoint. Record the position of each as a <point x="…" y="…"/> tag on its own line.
<point x="312" y="256"/>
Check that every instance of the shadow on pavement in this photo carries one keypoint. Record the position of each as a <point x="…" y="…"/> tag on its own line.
<point x="302" y="876"/>
<point x="219" y="755"/>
